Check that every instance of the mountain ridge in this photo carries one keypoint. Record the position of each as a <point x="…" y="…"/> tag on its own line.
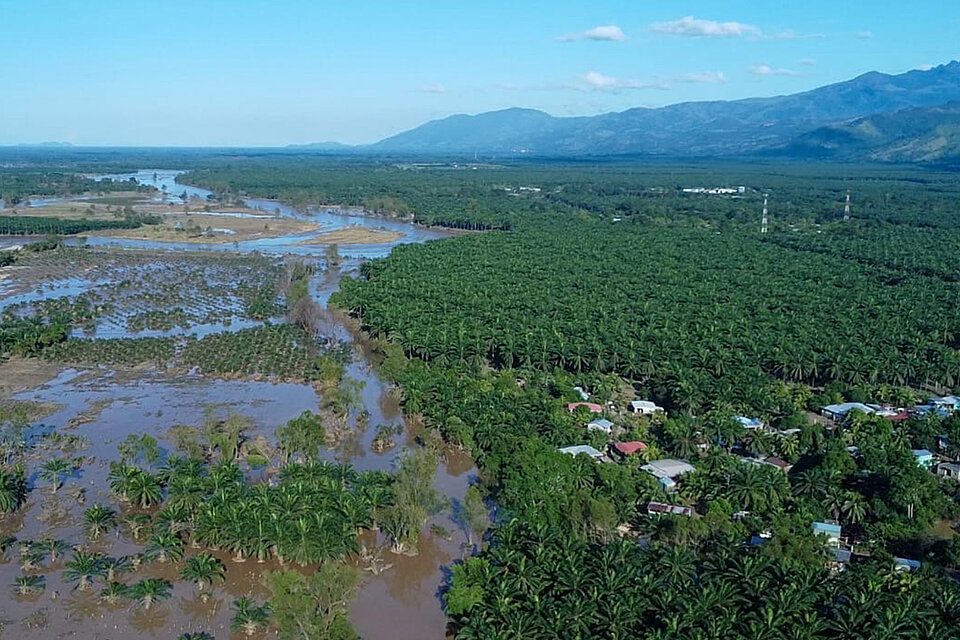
<point x="688" y="129"/>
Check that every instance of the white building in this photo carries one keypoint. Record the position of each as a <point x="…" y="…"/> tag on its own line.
<point x="645" y="407"/>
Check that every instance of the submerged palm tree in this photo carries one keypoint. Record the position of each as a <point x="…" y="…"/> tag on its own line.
<point x="13" y="489"/>
<point x="204" y="570"/>
<point x="148" y="592"/>
<point x="164" y="547"/>
<point x="99" y="519"/>
<point x="248" y="617"/>
<point x="31" y="558"/>
<point x="53" y="472"/>
<point x="114" y="592"/>
<point x="137" y="525"/>
<point x="6" y="543"/>
<point x="83" y="568"/>
<point x="115" y="566"/>
<point x="53" y="548"/>
<point x="29" y="585"/>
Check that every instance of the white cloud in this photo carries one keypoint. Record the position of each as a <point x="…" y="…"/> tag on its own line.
<point x="690" y="27"/>
<point x="767" y="70"/>
<point x="609" y="33"/>
<point x="599" y="82"/>
<point x="708" y="77"/>
<point x="925" y="67"/>
<point x="865" y="35"/>
<point x="432" y="87"/>
<point x="808" y="62"/>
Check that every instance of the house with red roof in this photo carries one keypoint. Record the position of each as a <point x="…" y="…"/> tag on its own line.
<point x="626" y="449"/>
<point x="592" y="406"/>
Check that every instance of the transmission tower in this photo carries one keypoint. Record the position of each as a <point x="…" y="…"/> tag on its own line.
<point x="764" y="220"/>
<point x="846" y="208"/>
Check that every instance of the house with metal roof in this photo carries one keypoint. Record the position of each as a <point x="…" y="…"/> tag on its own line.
<point x="657" y="508"/>
<point x="645" y="407"/>
<point x="601" y="424"/>
<point x="949" y="470"/>
<point x="750" y="424"/>
<point x="906" y="564"/>
<point x="838" y="412"/>
<point x="951" y="403"/>
<point x="832" y="531"/>
<point x="923" y="457"/>
<point x="667" y="471"/>
<point x="584" y="449"/>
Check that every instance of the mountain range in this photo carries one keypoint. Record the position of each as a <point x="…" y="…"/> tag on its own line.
<point x="913" y="117"/>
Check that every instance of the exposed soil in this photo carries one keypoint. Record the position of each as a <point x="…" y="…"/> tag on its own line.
<point x="355" y="235"/>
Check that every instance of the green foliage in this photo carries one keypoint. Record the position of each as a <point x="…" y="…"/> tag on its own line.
<point x="415" y="499"/>
<point x="314" y="606"/>
<point x="559" y="587"/>
<point x="302" y="437"/>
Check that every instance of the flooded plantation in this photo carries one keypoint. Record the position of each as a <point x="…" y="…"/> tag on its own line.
<point x="154" y="339"/>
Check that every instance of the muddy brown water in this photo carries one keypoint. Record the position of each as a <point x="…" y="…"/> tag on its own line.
<point x="401" y="602"/>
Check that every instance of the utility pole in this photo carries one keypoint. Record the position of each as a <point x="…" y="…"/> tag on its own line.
<point x="846" y="208"/>
<point x="764" y="220"/>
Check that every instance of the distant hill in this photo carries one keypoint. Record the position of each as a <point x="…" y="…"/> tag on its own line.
<point x="923" y="134"/>
<point x="321" y="146"/>
<point x="691" y="129"/>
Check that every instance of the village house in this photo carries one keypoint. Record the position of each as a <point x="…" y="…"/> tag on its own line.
<point x="626" y="449"/>
<point x="949" y="470"/>
<point x="585" y="449"/>
<point x="750" y="424"/>
<point x="838" y="412"/>
<point x="949" y="403"/>
<point x="591" y="406"/>
<point x="832" y="531"/>
<point x="923" y="457"/>
<point x="658" y="508"/>
<point x="645" y="407"/>
<point x="601" y="424"/>
<point x="667" y="471"/>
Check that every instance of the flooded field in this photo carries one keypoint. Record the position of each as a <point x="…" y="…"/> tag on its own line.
<point x="83" y="413"/>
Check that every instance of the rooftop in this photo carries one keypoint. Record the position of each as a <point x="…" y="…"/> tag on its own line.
<point x="581" y="448"/>
<point x="668" y="468"/>
<point x="629" y="448"/>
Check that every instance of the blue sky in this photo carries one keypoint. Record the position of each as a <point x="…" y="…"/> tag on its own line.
<point x="257" y="72"/>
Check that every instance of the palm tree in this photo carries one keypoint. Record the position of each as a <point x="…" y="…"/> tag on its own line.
<point x="114" y="592"/>
<point x="203" y="569"/>
<point x="148" y="592"/>
<point x="99" y="519"/>
<point x="163" y="547"/>
<point x="83" y="568"/>
<point x="29" y="585"/>
<point x="137" y="525"/>
<point x="53" y="471"/>
<point x="114" y="566"/>
<point x="6" y="543"/>
<point x="195" y="635"/>
<point x="13" y="489"/>
<point x="55" y="548"/>
<point x="144" y="489"/>
<point x="248" y="617"/>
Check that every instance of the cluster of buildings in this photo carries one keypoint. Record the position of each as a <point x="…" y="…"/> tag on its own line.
<point x="942" y="406"/>
<point x="716" y="191"/>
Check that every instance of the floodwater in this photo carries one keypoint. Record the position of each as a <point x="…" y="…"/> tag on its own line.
<point x="330" y="218"/>
<point x="402" y="602"/>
